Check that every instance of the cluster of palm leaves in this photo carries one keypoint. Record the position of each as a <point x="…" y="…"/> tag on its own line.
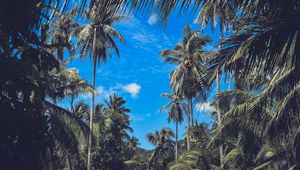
<point x="34" y="80"/>
<point x="37" y="133"/>
<point x="164" y="147"/>
<point x="113" y="143"/>
<point x="258" y="127"/>
<point x="190" y="77"/>
<point x="257" y="123"/>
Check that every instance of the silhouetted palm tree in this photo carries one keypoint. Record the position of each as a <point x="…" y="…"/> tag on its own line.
<point x="175" y="107"/>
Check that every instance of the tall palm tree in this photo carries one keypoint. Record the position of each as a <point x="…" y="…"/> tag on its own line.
<point x="211" y="11"/>
<point x="176" y="107"/>
<point x="190" y="76"/>
<point x="97" y="39"/>
<point x="159" y="139"/>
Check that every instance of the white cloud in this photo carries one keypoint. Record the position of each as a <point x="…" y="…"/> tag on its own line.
<point x="85" y="96"/>
<point x="133" y="89"/>
<point x="141" y="34"/>
<point x="205" y="107"/>
<point x="103" y="93"/>
<point x="100" y="90"/>
<point x="143" y="38"/>
<point x="139" y="117"/>
<point x="136" y="118"/>
<point x="153" y="19"/>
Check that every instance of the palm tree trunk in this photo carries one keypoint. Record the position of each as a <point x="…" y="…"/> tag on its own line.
<point x="72" y="104"/>
<point x="94" y="57"/>
<point x="218" y="92"/>
<point x="176" y="142"/>
<point x="192" y="113"/>
<point x="91" y="117"/>
<point x="188" y="125"/>
<point x="219" y="116"/>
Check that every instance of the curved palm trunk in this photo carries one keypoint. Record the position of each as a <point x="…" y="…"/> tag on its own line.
<point x="188" y="125"/>
<point x="176" y="142"/>
<point x="217" y="102"/>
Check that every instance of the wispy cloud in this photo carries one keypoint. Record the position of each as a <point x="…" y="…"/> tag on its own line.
<point x="142" y="34"/>
<point x="153" y="19"/>
<point x="205" y="107"/>
<point x="145" y="38"/>
<point x="139" y="117"/>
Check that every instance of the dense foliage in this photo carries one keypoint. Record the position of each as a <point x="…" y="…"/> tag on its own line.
<point x="255" y="123"/>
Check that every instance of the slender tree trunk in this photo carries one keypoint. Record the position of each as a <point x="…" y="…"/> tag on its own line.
<point x="91" y="117"/>
<point x="72" y="104"/>
<point x="94" y="57"/>
<point x="219" y="116"/>
<point x="176" y="142"/>
<point x="188" y="126"/>
<point x="217" y="102"/>
<point x="192" y="113"/>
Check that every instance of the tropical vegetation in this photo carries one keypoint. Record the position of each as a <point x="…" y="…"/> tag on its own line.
<point x="255" y="124"/>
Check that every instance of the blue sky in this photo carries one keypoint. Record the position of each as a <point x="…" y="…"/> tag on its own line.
<point x="139" y="75"/>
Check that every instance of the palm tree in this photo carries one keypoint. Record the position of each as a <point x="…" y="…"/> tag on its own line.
<point x="82" y="111"/>
<point x="159" y="140"/>
<point x="255" y="49"/>
<point x="32" y="129"/>
<point x="131" y="148"/>
<point x="175" y="113"/>
<point x="66" y="82"/>
<point x="97" y="39"/>
<point x="70" y="132"/>
<point x="61" y="29"/>
<point x="242" y="127"/>
<point x="190" y="76"/>
<point x="211" y="11"/>
<point x="113" y="138"/>
<point x="115" y="108"/>
<point x="133" y="142"/>
<point x="201" y="133"/>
